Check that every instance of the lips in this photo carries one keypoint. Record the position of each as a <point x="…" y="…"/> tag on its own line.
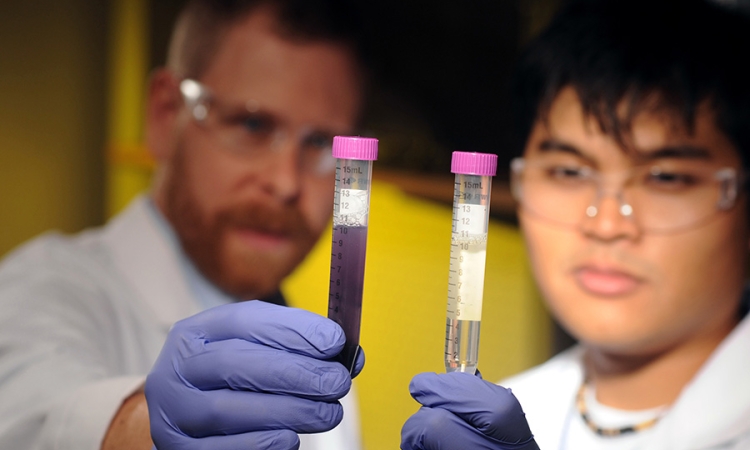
<point x="261" y="239"/>
<point x="608" y="282"/>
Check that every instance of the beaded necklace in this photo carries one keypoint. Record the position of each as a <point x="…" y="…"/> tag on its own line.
<point x="608" y="432"/>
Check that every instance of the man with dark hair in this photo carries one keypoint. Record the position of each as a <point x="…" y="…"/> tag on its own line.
<point x="632" y="190"/>
<point x="240" y="123"/>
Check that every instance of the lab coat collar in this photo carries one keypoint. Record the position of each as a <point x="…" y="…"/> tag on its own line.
<point x="550" y="403"/>
<point x="150" y="263"/>
<point x="715" y="407"/>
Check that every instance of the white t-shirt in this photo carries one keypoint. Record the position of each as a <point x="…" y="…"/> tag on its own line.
<point x="83" y="318"/>
<point x="712" y="412"/>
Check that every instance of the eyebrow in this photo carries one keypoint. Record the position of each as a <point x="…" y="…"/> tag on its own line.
<point x="549" y="145"/>
<point x="689" y="152"/>
<point x="677" y="151"/>
<point x="277" y="119"/>
<point x="553" y="145"/>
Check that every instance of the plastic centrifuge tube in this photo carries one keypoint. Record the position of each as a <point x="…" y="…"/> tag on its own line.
<point x="351" y="208"/>
<point x="471" y="207"/>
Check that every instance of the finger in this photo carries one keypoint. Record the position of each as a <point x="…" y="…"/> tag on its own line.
<point x="280" y="327"/>
<point x="242" y="365"/>
<point x="261" y="440"/>
<point x="490" y="408"/>
<point x="233" y="412"/>
<point x="359" y="363"/>
<point x="438" y="429"/>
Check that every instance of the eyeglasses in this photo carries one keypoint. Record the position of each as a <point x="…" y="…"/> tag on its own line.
<point x="665" y="197"/>
<point x="248" y="131"/>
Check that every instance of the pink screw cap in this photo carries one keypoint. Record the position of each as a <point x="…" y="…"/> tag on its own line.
<point x="355" y="147"/>
<point x="472" y="163"/>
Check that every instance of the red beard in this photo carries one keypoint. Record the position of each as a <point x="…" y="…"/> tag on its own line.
<point x="204" y="238"/>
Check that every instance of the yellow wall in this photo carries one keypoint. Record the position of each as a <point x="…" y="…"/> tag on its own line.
<point x="403" y="318"/>
<point x="52" y="75"/>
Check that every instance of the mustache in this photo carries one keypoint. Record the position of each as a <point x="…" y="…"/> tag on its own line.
<point x="283" y="221"/>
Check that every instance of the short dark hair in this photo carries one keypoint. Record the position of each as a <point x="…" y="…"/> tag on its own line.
<point x="614" y="51"/>
<point x="201" y="24"/>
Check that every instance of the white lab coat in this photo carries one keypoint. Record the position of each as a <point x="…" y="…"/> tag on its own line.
<point x="82" y="319"/>
<point x="712" y="412"/>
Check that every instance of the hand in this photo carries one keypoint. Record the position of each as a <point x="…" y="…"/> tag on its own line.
<point x="247" y="375"/>
<point x="463" y="411"/>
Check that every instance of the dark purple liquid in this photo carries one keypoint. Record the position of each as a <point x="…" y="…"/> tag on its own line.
<point x="347" y="281"/>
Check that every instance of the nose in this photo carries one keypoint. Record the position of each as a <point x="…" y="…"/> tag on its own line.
<point x="282" y="174"/>
<point x="609" y="218"/>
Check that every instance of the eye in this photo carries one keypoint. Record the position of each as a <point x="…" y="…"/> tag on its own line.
<point x="568" y="173"/>
<point x="257" y="124"/>
<point x="317" y="142"/>
<point x="659" y="178"/>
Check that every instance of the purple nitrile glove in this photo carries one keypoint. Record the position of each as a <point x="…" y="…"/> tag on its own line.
<point x="463" y="411"/>
<point x="247" y="375"/>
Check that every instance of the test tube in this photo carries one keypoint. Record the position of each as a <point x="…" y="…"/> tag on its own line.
<point x="351" y="208"/>
<point x="471" y="208"/>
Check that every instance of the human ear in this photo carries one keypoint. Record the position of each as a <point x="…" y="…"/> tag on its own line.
<point x="162" y="111"/>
